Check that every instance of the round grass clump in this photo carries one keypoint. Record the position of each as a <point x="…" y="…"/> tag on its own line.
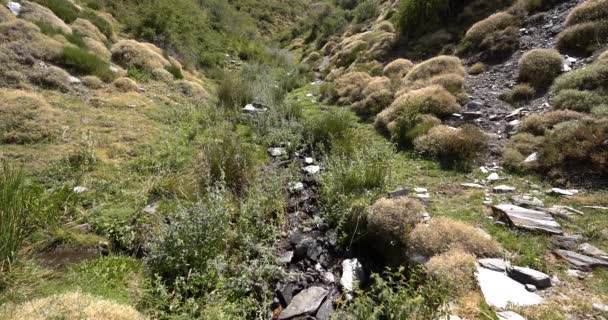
<point x="391" y="220"/>
<point x="539" y="67"/>
<point x="125" y="84"/>
<point x="452" y="147"/>
<point x="454" y="270"/>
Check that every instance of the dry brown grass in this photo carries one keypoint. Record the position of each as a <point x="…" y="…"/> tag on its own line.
<point x="5" y="14"/>
<point x="398" y="68"/>
<point x="587" y="28"/>
<point x="349" y="87"/>
<point x="590" y="10"/>
<point x="34" y="12"/>
<point x="71" y="306"/>
<point x="144" y="56"/>
<point x="26" y="118"/>
<point x="125" y="84"/>
<point x="51" y="78"/>
<point x="539" y="67"/>
<point x="349" y="52"/>
<point x="162" y="74"/>
<point x="377" y="95"/>
<point x="538" y="124"/>
<point x="391" y="220"/>
<point x="452" y="147"/>
<point x="24" y="40"/>
<point x="602" y="58"/>
<point x="92" y="82"/>
<point x="192" y="89"/>
<point x="85" y="28"/>
<point x="98" y="48"/>
<point x="454" y="269"/>
<point x="441" y="235"/>
<point x="434" y="67"/>
<point x="477" y="68"/>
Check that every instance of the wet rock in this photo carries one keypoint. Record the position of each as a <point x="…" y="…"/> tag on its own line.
<point x="306" y="302"/>
<point x="503" y="189"/>
<point x="566" y="242"/>
<point x="401" y="192"/>
<point x="528" y="219"/>
<point x="593" y="251"/>
<point x="493" y="264"/>
<point x="472" y="186"/>
<point x="527" y="201"/>
<point x="580" y="261"/>
<point x="352" y="275"/>
<point x="312" y="169"/>
<point x="529" y="276"/>
<point x="326" y="310"/>
<point x="509" y="315"/>
<point x="500" y="291"/>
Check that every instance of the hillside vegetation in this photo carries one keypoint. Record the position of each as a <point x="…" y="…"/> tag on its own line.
<point x="326" y="159"/>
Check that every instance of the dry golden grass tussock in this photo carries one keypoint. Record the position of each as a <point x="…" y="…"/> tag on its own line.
<point x="5" y="14"/>
<point x="85" y="28"/>
<point x="73" y="305"/>
<point x="92" y="82"/>
<point x="496" y="22"/>
<point x="590" y="10"/>
<point x="385" y="26"/>
<point x="538" y="124"/>
<point x="24" y="38"/>
<point x="349" y="52"/>
<point x="349" y="87"/>
<point x="162" y="74"/>
<point x="117" y="99"/>
<point x="398" y="68"/>
<point x="377" y="95"/>
<point x="34" y="12"/>
<point x="52" y="78"/>
<point x="454" y="269"/>
<point x="26" y="118"/>
<point x="130" y="53"/>
<point x="433" y="99"/>
<point x="192" y="89"/>
<point x="539" y="67"/>
<point x="391" y="220"/>
<point x="477" y="68"/>
<point x="434" y="67"/>
<point x="98" y="48"/>
<point x="443" y="234"/>
<point x="125" y="84"/>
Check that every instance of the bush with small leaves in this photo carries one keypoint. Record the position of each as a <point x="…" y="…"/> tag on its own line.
<point x="586" y="28"/>
<point x="454" y="269"/>
<point x="435" y="66"/>
<point x="538" y="124"/>
<point x="349" y="87"/>
<point x="578" y="100"/>
<point x="520" y="93"/>
<point x="390" y="221"/>
<point x="377" y="95"/>
<point x="452" y="147"/>
<point x="498" y="35"/>
<point x="539" y="67"/>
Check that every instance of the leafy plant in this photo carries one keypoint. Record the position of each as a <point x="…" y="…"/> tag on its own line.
<point x="86" y="62"/>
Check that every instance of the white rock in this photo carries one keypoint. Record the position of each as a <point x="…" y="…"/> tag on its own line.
<point x="352" y="275"/>
<point x="562" y="192"/>
<point x="509" y="315"/>
<point x="500" y="291"/>
<point x="494" y="177"/>
<point x="472" y="185"/>
<point x="80" y="189"/>
<point x="114" y="69"/>
<point x="421" y="190"/>
<point x="309" y="160"/>
<point x="503" y="189"/>
<point x="483" y="169"/>
<point x="296" y="186"/>
<point x="531" y="158"/>
<point x="277" y="152"/>
<point x="311" y="169"/>
<point x="494" y="264"/>
<point x="600" y="307"/>
<point x="566" y="67"/>
<point x="74" y="80"/>
<point x="329" y="277"/>
<point x="14" y="7"/>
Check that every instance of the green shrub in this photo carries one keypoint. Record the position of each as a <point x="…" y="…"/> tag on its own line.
<point x="538" y="124"/>
<point x="235" y="91"/>
<point x="497" y="36"/>
<point x="417" y="16"/>
<point x="520" y="93"/>
<point x="86" y="62"/>
<point x="50" y="31"/>
<point x="324" y="129"/>
<point x="64" y="9"/>
<point x="590" y="10"/>
<point x="477" y="68"/>
<point x="17" y="208"/>
<point x="453" y="148"/>
<point x="578" y="100"/>
<point x="435" y="66"/>
<point x="591" y="77"/>
<point x="102" y="24"/>
<point x="539" y="67"/>
<point x="176" y="71"/>
<point x="586" y="28"/>
<point x="411" y="125"/>
<point x="366" y="10"/>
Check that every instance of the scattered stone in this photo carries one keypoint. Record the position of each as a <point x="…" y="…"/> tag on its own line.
<point x="423" y="196"/>
<point x="531" y="287"/>
<point x="151" y="207"/>
<point x="593" y="251"/>
<point x="514" y="114"/>
<point x="509" y="315"/>
<point x="529" y="276"/>
<point x="474" y="105"/>
<point x="580" y="261"/>
<point x="600" y="307"/>
<point x="576" y="273"/>
<point x="494" y="177"/>
<point x="285" y="293"/>
<point x="421" y="190"/>
<point x="312" y="169"/>
<point x="512" y="126"/>
<point x="558" y="211"/>
<point x="309" y="160"/>
<point x="329" y="277"/>
<point x="562" y="192"/>
<point x="14" y="7"/>
<point x="74" y="80"/>
<point x="596" y="207"/>
<point x="401" y="192"/>
<point x="503" y="189"/>
<point x="286" y="257"/>
<point x="296" y="186"/>
<point x="483" y="169"/>
<point x="252" y="108"/>
<point x="80" y="189"/>
<point x="573" y="210"/>
<point x="566" y="68"/>
<point x="84" y="228"/>
<point x="531" y="158"/>
<point x="494" y="264"/>
<point x="277" y="152"/>
<point x="500" y="291"/>
<point x="472" y="115"/>
<point x="567" y="242"/>
<point x="472" y="186"/>
<point x="352" y="275"/>
<point x="527" y="202"/>
<point x="326" y="310"/>
<point x="528" y="219"/>
<point x="304" y="303"/>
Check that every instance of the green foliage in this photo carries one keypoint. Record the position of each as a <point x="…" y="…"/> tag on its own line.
<point x="539" y="67"/>
<point x="410" y="125"/>
<point x="86" y="62"/>
<point x="578" y="100"/>
<point x="234" y="91"/>
<point x="324" y="129"/>
<point x="64" y="9"/>
<point x="138" y="74"/>
<point x="385" y="298"/>
<point x="73" y="38"/>
<point x="418" y="16"/>
<point x="175" y="71"/>
<point x="366" y="10"/>
<point x="453" y="148"/>
<point x="520" y="93"/>
<point x="102" y="24"/>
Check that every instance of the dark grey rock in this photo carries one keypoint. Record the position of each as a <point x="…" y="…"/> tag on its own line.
<point x="566" y="242"/>
<point x="326" y="310"/>
<point x="529" y="276"/>
<point x="527" y="202"/>
<point x="580" y="261"/>
<point x="593" y="251"/>
<point x="285" y="293"/>
<point x="401" y="192"/>
<point x="471" y="115"/>
<point x="306" y="302"/>
<point x="501" y="291"/>
<point x="474" y="105"/>
<point x="528" y="219"/>
<point x="494" y="264"/>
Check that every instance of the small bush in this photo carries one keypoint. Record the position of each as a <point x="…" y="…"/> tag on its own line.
<point x="191" y="89"/>
<point x="586" y="28"/>
<point x="590" y="10"/>
<point x="144" y="56"/>
<point x="100" y="22"/>
<point x="418" y="16"/>
<point x="539" y="67"/>
<point x="377" y="95"/>
<point x="591" y="77"/>
<point x="125" y="84"/>
<point x="538" y="124"/>
<point x="497" y="34"/>
<point x="366" y="10"/>
<point x="349" y="53"/>
<point x="454" y="269"/>
<point x="500" y="44"/>
<point x="520" y="93"/>
<point x="38" y="14"/>
<point x="235" y="91"/>
<point x="435" y="66"/>
<point x="92" y="82"/>
<point x="162" y="75"/>
<point x="411" y="125"/>
<point x="477" y="68"/>
<point x="52" y="78"/>
<point x="349" y="87"/>
<point x="441" y="235"/>
<point x="175" y="70"/>
<point x="228" y="161"/>
<point x="73" y="305"/>
<point x="578" y="100"/>
<point x="453" y="148"/>
<point x="64" y="9"/>
<point x="95" y="47"/>
<point x="398" y="68"/>
<point x="25" y="118"/>
<point x="391" y="220"/>
<point x="324" y="129"/>
<point x="86" y="62"/>
<point x="518" y="148"/>
<point x="84" y="28"/>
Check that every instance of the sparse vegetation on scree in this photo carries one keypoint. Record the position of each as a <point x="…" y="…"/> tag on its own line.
<point x="327" y="159"/>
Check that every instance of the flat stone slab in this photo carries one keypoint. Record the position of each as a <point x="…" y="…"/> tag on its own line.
<point x="581" y="261"/>
<point x="305" y="302"/>
<point x="494" y="264"/>
<point x="509" y="315"/>
<point x="528" y="219"/>
<point x="567" y="242"/>
<point x="501" y="291"/>
<point x="503" y="189"/>
<point x="529" y="276"/>
<point x="472" y="186"/>
<point x="593" y="251"/>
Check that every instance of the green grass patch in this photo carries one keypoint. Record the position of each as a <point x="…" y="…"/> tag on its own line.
<point x="86" y="62"/>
